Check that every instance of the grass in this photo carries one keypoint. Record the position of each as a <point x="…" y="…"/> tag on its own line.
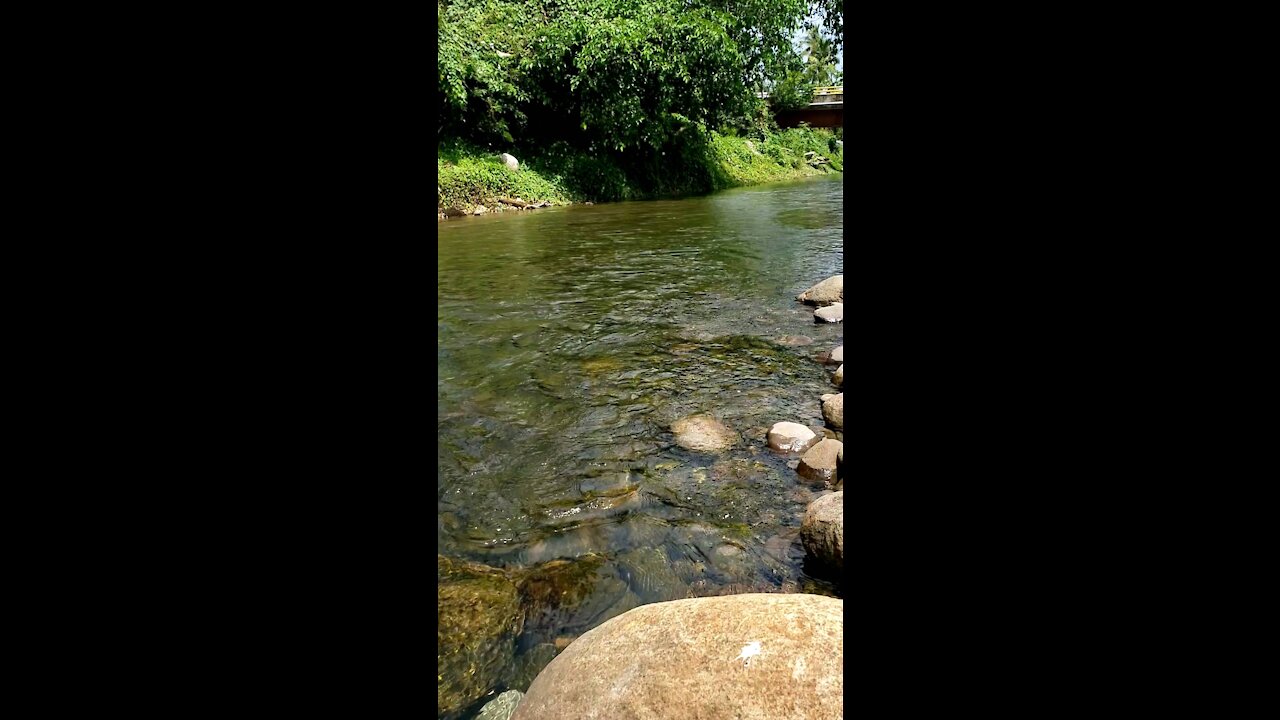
<point x="468" y="176"/>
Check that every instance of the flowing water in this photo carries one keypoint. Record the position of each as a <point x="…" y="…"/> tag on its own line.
<point x="569" y="339"/>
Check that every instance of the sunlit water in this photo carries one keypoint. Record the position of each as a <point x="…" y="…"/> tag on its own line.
<point x="569" y="339"/>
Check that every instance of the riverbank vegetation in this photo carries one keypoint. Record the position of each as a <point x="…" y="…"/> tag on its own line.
<point x="604" y="100"/>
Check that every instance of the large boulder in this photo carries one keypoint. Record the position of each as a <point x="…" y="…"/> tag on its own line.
<point x="833" y="410"/>
<point x="510" y="161"/>
<point x="703" y="433"/>
<point x="478" y="619"/>
<point x="821" y="461"/>
<point x="822" y="531"/>
<point x="826" y="292"/>
<point x="831" y="313"/>
<point x="791" y="437"/>
<point x="756" y="656"/>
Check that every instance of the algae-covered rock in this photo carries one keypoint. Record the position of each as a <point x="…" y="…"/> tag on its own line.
<point x="571" y="596"/>
<point x="478" y="615"/>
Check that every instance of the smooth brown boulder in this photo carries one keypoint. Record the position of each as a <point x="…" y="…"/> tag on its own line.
<point x="826" y="292"/>
<point x="833" y="410"/>
<point x="839" y="376"/>
<point x="791" y="437"/>
<point x="702" y="433"/>
<point x="758" y="656"/>
<point x="822" y="531"/>
<point x="820" y="462"/>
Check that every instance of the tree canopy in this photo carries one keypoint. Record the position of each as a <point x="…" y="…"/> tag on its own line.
<point x="620" y="74"/>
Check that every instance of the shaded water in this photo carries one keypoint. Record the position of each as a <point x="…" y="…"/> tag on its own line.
<point x="569" y="339"/>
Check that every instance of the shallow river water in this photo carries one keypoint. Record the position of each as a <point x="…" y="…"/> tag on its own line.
<point x="569" y="339"/>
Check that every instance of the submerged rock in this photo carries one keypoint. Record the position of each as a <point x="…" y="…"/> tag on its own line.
<point x="826" y="292"/>
<point x="531" y="663"/>
<point x="702" y="433"/>
<point x="833" y="410"/>
<point x="822" y="531"/>
<point x="478" y="616"/>
<point x="752" y="656"/>
<point x="794" y="340"/>
<point x="501" y="707"/>
<point x="791" y="437"/>
<point x="570" y="596"/>
<point x="649" y="574"/>
<point x="820" y="462"/>
<point x="831" y="313"/>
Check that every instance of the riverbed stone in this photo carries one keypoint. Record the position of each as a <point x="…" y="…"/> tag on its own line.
<point x="826" y="292"/>
<point x="531" y="663"/>
<point x="833" y="410"/>
<point x="822" y="531"/>
<point x="501" y="707"/>
<point x="702" y="433"/>
<point x="794" y="340"/>
<point x="756" y="656"/>
<point x="649" y="574"/>
<point x="791" y="437"/>
<point x="819" y="462"/>
<point x="478" y="615"/>
<point x="837" y="355"/>
<point x="510" y="161"/>
<point x="839" y="376"/>
<point x="831" y="313"/>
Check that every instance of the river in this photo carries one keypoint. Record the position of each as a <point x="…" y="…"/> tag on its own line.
<point x="569" y="339"/>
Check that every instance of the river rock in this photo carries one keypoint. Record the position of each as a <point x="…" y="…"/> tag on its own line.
<point x="479" y="618"/>
<point x="530" y="664"/>
<point x="501" y="707"/>
<point x="832" y="313"/>
<point x="837" y="355"/>
<point x="839" y="376"/>
<point x="822" y="531"/>
<point x="794" y="340"/>
<point x="819" y="463"/>
<point x="480" y="210"/>
<point x="826" y="292"/>
<point x="833" y="410"/>
<point x="649" y="574"/>
<point x="755" y="656"/>
<point x="510" y="161"/>
<point x="791" y="437"/>
<point x="454" y="212"/>
<point x="702" y="433"/>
